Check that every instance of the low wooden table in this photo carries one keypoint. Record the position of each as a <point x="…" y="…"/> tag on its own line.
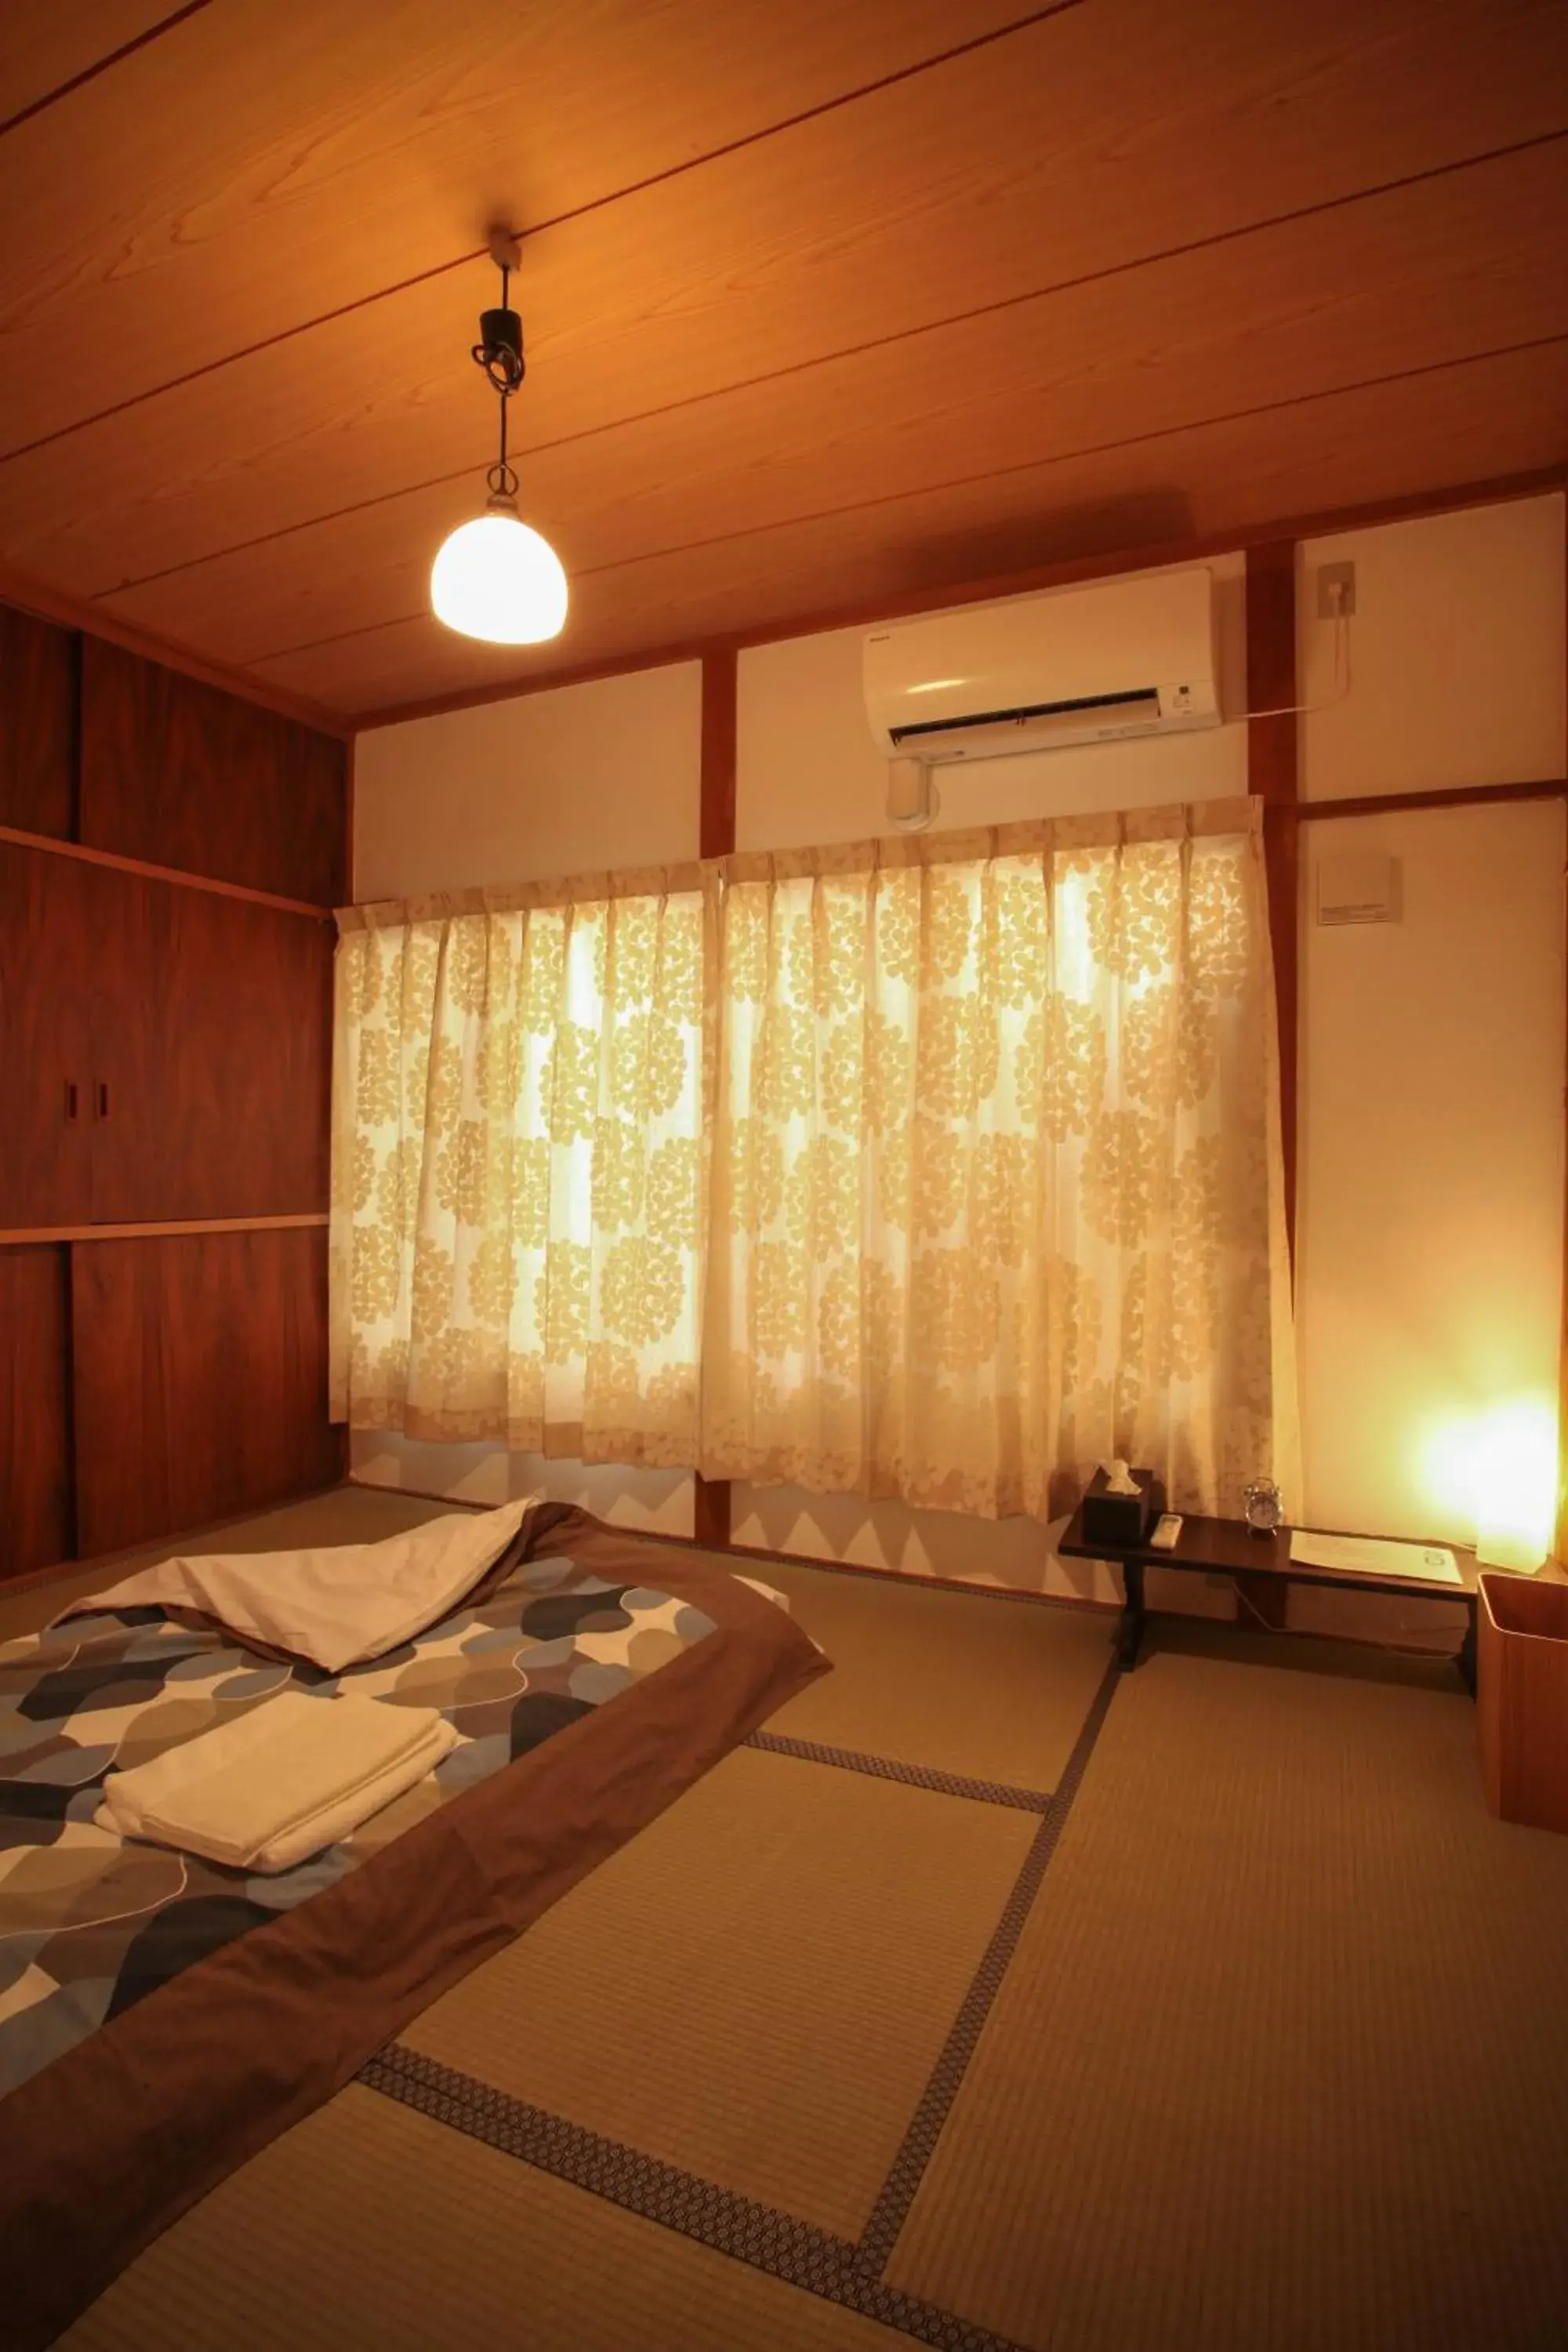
<point x="1228" y="1548"/>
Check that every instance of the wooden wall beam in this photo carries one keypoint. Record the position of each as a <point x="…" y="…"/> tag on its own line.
<point x="351" y="782"/>
<point x="716" y="825"/>
<point x="1550" y="788"/>
<point x="1561" y="1546"/>
<point x="1273" y="774"/>
<point x="112" y="857"/>
<point x="26" y="1237"/>
<point x="716" y="828"/>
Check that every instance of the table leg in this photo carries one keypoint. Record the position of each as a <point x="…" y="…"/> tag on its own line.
<point x="1466" y="1660"/>
<point x="1131" y="1632"/>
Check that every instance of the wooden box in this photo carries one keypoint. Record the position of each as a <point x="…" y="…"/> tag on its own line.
<point x="1522" y="1699"/>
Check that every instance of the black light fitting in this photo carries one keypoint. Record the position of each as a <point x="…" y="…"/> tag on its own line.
<point x="500" y="353"/>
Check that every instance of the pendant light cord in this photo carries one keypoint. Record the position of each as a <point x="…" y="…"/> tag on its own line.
<point x="501" y="477"/>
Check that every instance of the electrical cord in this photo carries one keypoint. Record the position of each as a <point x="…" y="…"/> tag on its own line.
<point x="1341" y="663"/>
<point x="1355" y="1641"/>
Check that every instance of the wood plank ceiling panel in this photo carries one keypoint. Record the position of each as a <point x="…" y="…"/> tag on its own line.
<point x="1427" y="275"/>
<point x="46" y="44"/>
<point x="1011" y="171"/>
<point x="225" y="183"/>
<point x="1482" y="419"/>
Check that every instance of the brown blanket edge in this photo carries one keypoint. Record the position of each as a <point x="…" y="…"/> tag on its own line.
<point x="113" y="2141"/>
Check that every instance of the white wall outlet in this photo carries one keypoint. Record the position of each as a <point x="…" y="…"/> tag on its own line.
<point x="1336" y="590"/>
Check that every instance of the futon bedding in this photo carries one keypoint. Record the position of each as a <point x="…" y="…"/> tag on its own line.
<point x="162" y="2017"/>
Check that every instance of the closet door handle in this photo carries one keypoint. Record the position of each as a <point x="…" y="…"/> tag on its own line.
<point x="70" y="1098"/>
<point x="102" y="1090"/>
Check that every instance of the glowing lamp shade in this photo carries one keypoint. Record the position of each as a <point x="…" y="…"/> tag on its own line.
<point x="1514" y="1468"/>
<point x="496" y="579"/>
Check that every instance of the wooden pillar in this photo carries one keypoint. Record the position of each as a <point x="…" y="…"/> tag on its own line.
<point x="1561" y="1546"/>
<point x="717" y="821"/>
<point x="1273" y="774"/>
<point x="716" y="828"/>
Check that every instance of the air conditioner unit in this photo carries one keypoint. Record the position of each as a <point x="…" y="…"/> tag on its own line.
<point x="1074" y="666"/>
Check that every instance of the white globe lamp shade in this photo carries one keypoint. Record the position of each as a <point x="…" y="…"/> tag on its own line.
<point x="497" y="579"/>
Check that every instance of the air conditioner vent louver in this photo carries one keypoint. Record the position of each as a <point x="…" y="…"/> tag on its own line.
<point x="1043" y="672"/>
<point x="1143" y="703"/>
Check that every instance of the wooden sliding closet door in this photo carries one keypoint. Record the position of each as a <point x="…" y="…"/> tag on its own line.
<point x="214" y="1040"/>
<point x="165" y="1051"/>
<point x="36" y="1520"/>
<point x="37" y="724"/>
<point x="52" y="914"/>
<point x="200" y="1379"/>
<point x="180" y="773"/>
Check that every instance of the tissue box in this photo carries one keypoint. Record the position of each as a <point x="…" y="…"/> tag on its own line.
<point x="1120" y="1522"/>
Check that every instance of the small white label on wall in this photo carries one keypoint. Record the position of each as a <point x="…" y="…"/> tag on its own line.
<point x="1354" y="889"/>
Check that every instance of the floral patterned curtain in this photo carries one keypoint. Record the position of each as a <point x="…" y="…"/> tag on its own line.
<point x="998" y="1176"/>
<point x="517" y="1168"/>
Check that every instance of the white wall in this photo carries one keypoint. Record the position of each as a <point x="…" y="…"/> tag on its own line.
<point x="1458" y="654"/>
<point x="808" y="771"/>
<point x="1430" y="1260"/>
<point x="603" y="774"/>
<point x="1430" y="1218"/>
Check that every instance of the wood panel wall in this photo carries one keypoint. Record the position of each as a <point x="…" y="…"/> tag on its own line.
<point x="38" y="684"/>
<point x="169" y="855"/>
<point x="37" y="1517"/>
<point x="200" y="1379"/>
<point x="183" y="774"/>
<point x="48" y="907"/>
<point x="220" y="1084"/>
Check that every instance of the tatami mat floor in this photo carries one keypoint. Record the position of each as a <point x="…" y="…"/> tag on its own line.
<point x="1254" y="2034"/>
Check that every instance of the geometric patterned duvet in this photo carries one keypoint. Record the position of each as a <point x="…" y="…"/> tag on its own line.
<point x="89" y="1925"/>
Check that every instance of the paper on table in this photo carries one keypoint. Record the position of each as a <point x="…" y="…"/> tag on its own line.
<point x="1375" y="1556"/>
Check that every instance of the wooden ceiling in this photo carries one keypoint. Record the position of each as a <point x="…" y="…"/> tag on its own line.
<point x="825" y="303"/>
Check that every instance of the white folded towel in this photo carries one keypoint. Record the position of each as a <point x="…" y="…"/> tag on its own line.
<point x="279" y="1782"/>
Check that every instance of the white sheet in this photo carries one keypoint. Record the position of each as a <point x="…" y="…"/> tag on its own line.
<point x="335" y="1606"/>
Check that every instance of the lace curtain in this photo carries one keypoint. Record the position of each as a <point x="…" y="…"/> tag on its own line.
<point x="997" y="1177"/>
<point x="517" y="1169"/>
<point x="996" y="1185"/>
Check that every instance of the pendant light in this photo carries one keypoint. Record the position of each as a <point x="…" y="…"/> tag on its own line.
<point x="495" y="577"/>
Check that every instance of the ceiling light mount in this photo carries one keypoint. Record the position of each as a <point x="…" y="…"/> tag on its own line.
<point x="500" y="348"/>
<point x="494" y="578"/>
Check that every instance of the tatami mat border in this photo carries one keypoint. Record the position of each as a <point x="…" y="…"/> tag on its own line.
<point x="898" y="2190"/>
<point x="914" y="1776"/>
<point x="843" y="2272"/>
<point x="758" y="2235"/>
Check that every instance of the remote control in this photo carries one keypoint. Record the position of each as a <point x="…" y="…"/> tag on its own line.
<point x="1164" y="1536"/>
